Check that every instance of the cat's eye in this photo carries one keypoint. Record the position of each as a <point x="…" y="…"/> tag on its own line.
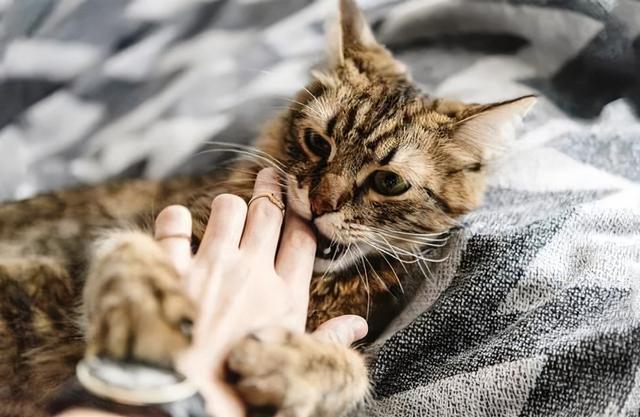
<point x="388" y="183"/>
<point x="317" y="144"/>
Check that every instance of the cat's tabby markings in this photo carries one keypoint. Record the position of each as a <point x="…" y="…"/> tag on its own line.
<point x="380" y="169"/>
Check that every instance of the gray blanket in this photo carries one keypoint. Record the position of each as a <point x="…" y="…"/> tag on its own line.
<point x="536" y="311"/>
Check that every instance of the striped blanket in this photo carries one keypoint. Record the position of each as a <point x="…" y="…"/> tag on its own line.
<point x="536" y="310"/>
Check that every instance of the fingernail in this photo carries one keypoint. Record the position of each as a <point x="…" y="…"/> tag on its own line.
<point x="359" y="327"/>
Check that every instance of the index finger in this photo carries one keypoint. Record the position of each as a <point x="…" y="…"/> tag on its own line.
<point x="296" y="255"/>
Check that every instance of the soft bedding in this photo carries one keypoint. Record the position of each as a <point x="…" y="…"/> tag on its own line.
<point x="535" y="310"/>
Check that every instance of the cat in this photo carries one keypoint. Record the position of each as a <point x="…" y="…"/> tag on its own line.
<point x="381" y="171"/>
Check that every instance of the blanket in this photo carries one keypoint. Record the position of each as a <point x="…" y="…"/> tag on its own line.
<point x="536" y="309"/>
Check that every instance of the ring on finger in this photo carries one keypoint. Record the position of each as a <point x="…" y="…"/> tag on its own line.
<point x="277" y="201"/>
<point x="175" y="236"/>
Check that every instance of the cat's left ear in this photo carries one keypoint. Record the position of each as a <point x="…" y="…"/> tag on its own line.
<point x="489" y="130"/>
<point x="351" y="37"/>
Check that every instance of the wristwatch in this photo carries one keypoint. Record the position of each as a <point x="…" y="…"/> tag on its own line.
<point x="129" y="389"/>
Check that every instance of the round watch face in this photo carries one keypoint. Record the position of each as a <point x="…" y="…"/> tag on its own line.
<point x="133" y="383"/>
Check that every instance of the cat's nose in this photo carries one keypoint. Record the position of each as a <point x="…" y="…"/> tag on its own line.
<point x="329" y="195"/>
<point x="323" y="204"/>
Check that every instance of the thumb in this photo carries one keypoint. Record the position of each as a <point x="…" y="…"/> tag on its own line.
<point x="343" y="329"/>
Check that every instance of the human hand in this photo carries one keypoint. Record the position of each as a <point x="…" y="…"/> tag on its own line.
<point x="243" y="279"/>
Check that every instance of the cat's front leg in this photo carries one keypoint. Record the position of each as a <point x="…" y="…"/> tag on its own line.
<point x="297" y="375"/>
<point x="134" y="304"/>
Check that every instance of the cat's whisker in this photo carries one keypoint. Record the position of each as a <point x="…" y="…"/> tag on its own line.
<point x="393" y="270"/>
<point x="309" y="109"/>
<point x="427" y="276"/>
<point x="227" y="162"/>
<point x="248" y="148"/>
<point x="321" y="103"/>
<point x="390" y="246"/>
<point x="384" y="285"/>
<point x="417" y="241"/>
<point x="312" y="95"/>
<point x="252" y="176"/>
<point x="376" y="246"/>
<point x="241" y="181"/>
<point x="401" y="264"/>
<point x="396" y="249"/>
<point x="248" y="152"/>
<point x="241" y="151"/>
<point x="241" y="155"/>
<point x="247" y="180"/>
<point x="378" y="276"/>
<point x="438" y="260"/>
<point x="242" y="171"/>
<point x="253" y="158"/>
<point x="365" y="281"/>
<point x="305" y="106"/>
<point x="438" y="235"/>
<point x="371" y="239"/>
<point x="403" y="252"/>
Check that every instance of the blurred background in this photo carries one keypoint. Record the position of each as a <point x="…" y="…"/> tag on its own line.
<point x="95" y="89"/>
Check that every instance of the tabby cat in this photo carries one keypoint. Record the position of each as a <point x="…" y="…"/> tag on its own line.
<point x="382" y="172"/>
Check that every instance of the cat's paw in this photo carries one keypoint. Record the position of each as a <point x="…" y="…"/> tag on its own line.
<point x="137" y="308"/>
<point x="297" y="375"/>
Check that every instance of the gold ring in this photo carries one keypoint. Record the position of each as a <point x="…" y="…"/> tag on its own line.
<point x="175" y="236"/>
<point x="272" y="197"/>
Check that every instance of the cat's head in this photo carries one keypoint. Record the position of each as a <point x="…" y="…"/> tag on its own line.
<point x="375" y="164"/>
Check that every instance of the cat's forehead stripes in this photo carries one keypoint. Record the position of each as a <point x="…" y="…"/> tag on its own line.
<point x="346" y="112"/>
<point x="384" y="151"/>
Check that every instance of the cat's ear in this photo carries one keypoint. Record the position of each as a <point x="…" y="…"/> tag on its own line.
<point x="489" y="130"/>
<point x="350" y="36"/>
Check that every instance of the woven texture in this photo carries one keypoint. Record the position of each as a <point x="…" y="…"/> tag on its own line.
<point x="536" y="310"/>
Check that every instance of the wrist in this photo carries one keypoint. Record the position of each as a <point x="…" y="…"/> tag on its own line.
<point x="124" y="389"/>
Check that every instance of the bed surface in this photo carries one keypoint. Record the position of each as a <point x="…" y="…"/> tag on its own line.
<point x="536" y="310"/>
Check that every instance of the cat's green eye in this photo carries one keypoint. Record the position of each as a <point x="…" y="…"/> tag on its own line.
<point x="388" y="183"/>
<point x="317" y="144"/>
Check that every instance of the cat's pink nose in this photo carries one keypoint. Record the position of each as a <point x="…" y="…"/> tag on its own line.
<point x="323" y="204"/>
<point x="330" y="194"/>
<point x="320" y="206"/>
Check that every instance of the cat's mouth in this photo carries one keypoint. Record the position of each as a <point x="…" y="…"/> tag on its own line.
<point x="328" y="249"/>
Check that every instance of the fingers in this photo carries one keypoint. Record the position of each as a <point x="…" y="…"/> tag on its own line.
<point x="344" y="330"/>
<point x="264" y="219"/>
<point x="223" y="233"/>
<point x="224" y="230"/>
<point x="296" y="255"/>
<point x="173" y="233"/>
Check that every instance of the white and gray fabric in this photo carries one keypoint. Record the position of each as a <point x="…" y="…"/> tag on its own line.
<point x="536" y="309"/>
